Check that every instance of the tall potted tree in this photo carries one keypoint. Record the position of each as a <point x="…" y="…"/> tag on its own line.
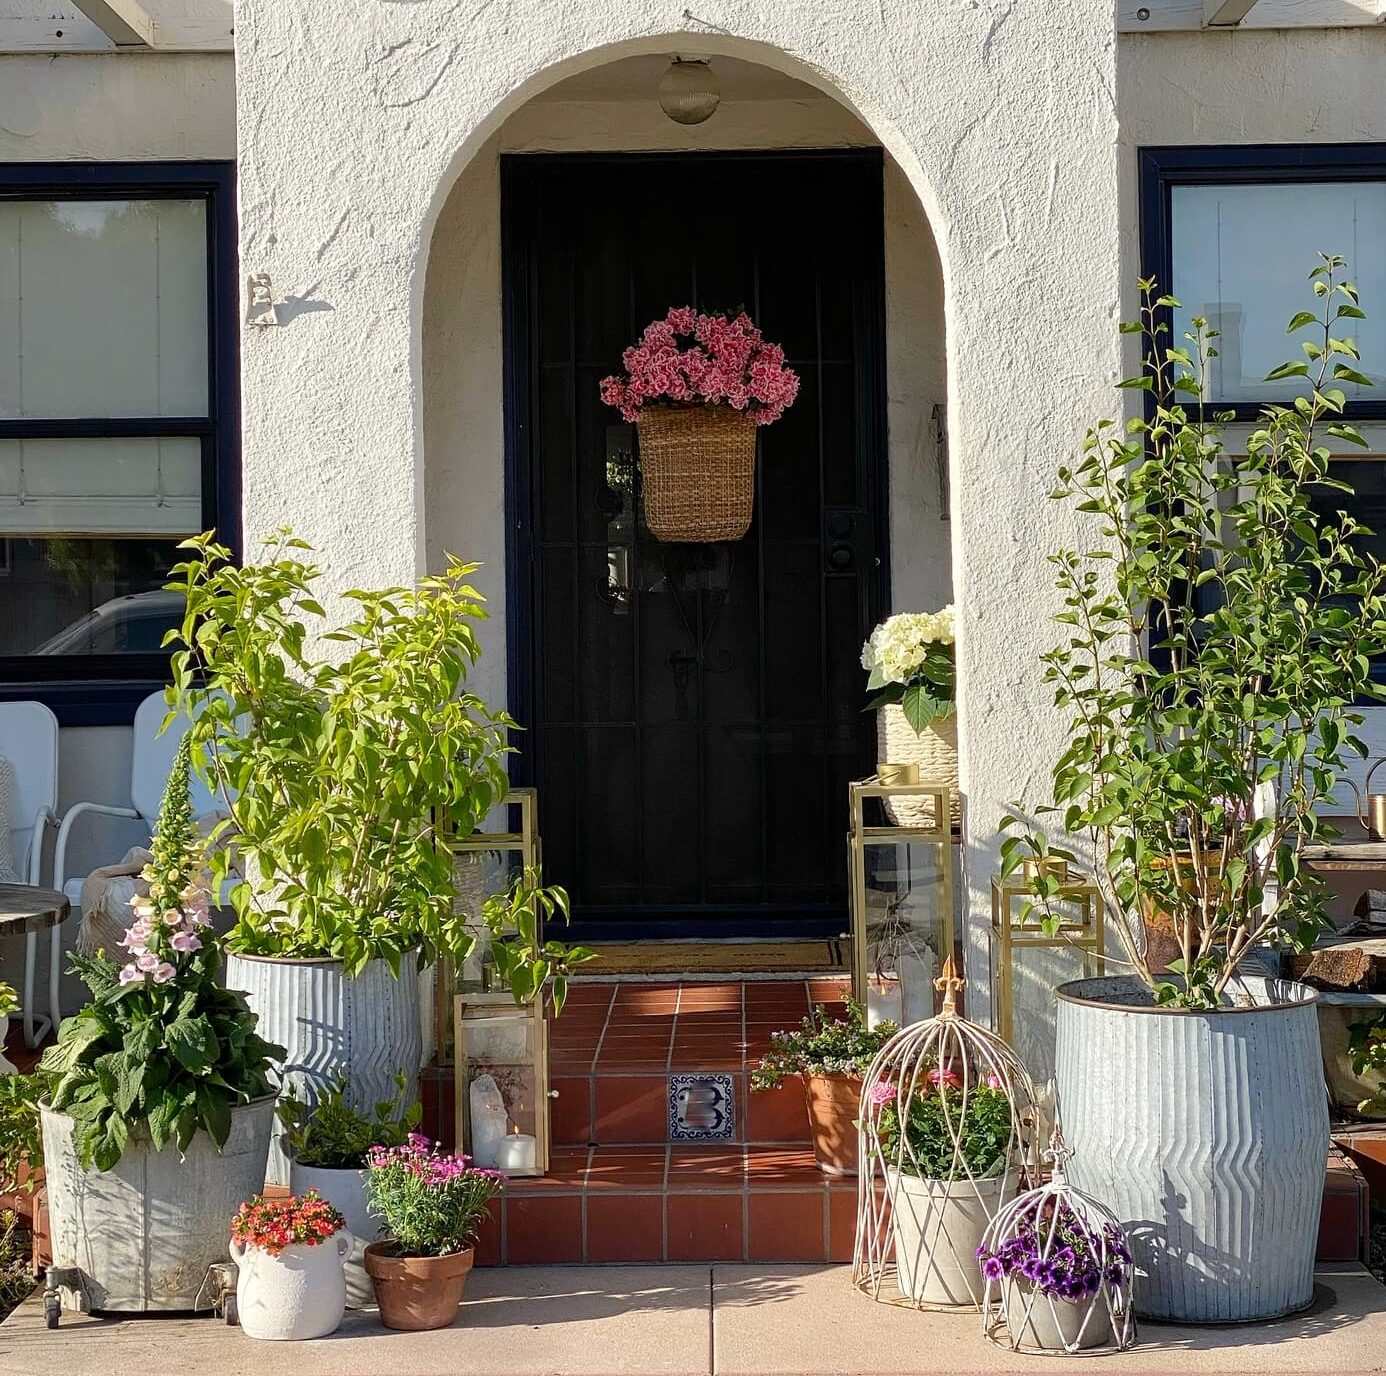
<point x="1218" y="635"/>
<point x="158" y="1121"/>
<point x="336" y="772"/>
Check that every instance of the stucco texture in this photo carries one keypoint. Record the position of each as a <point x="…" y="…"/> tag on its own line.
<point x="356" y="116"/>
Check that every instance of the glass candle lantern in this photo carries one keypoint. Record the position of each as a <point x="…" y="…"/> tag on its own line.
<point x="901" y="896"/>
<point x="484" y="863"/>
<point x="502" y="1058"/>
<point x="1027" y="962"/>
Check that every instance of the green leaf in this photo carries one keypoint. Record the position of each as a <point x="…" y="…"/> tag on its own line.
<point x="194" y="1043"/>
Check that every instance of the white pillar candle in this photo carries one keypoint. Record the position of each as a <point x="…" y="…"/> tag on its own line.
<point x="518" y="1152"/>
<point x="489" y="1120"/>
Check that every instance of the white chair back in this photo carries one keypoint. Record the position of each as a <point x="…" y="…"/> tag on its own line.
<point x="151" y="761"/>
<point x="29" y="740"/>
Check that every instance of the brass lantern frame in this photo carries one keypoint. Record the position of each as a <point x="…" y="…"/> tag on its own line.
<point x="524" y="842"/>
<point x="1014" y="926"/>
<point x="474" y="1009"/>
<point x="862" y="836"/>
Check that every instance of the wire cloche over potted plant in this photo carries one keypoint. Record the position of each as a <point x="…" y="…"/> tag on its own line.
<point x="947" y="1129"/>
<point x="696" y="386"/>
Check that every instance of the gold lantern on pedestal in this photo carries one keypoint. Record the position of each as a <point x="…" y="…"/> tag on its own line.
<point x="1019" y="941"/>
<point x="901" y="894"/>
<point x="502" y="1058"/>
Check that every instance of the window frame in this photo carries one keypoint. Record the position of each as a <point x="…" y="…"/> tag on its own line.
<point x="1164" y="168"/>
<point x="93" y="690"/>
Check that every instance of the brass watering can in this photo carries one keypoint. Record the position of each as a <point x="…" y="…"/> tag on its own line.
<point x="1371" y="807"/>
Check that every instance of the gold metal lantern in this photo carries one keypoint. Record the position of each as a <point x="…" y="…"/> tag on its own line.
<point x="502" y="1057"/>
<point x="901" y="895"/>
<point x="1028" y="961"/>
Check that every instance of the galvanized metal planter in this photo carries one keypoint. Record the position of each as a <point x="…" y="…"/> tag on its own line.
<point x="1207" y="1134"/>
<point x="143" y="1234"/>
<point x="366" y="1027"/>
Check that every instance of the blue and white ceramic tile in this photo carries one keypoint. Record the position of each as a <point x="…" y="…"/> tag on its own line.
<point x="702" y="1108"/>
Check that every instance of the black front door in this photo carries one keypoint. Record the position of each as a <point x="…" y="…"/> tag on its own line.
<point x="693" y="713"/>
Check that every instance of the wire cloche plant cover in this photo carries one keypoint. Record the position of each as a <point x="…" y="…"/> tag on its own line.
<point x="1057" y="1271"/>
<point x="947" y="1134"/>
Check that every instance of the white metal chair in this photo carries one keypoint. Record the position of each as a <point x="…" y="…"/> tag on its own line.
<point x="151" y="762"/>
<point x="29" y="740"/>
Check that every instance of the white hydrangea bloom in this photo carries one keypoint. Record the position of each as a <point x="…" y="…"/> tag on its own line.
<point x="898" y="645"/>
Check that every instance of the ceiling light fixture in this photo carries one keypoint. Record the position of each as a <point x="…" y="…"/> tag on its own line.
<point x="688" y="91"/>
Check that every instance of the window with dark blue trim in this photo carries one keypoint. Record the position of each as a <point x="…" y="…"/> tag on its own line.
<point x="118" y="417"/>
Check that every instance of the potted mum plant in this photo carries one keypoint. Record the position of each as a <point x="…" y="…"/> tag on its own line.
<point x="431" y="1206"/>
<point x="289" y="1254"/>
<point x="162" y="1096"/>
<point x="830" y="1056"/>
<point x="949" y="1168"/>
<point x="696" y="386"/>
<point x="328" y="1143"/>
<point x="339" y="776"/>
<point x="911" y="664"/>
<point x="1218" y="634"/>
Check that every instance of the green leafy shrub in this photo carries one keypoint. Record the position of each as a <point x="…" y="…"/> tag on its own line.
<point x="343" y="776"/>
<point x="21" y="1136"/>
<point x="162" y="1046"/>
<point x="822" y="1046"/>
<point x="332" y="1134"/>
<point x="1218" y="634"/>
<point x="945" y="1134"/>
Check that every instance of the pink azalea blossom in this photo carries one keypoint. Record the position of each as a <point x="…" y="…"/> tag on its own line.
<point x="704" y="360"/>
<point x="940" y="1076"/>
<point x="129" y="973"/>
<point x="882" y="1093"/>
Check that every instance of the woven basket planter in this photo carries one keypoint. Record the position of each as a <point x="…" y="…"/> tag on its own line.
<point x="697" y="472"/>
<point x="934" y="750"/>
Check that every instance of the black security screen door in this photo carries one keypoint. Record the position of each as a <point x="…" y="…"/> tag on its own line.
<point x="693" y="713"/>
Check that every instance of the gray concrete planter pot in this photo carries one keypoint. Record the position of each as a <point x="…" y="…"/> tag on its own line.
<point x="1207" y="1134"/>
<point x="345" y="1190"/>
<point x="143" y="1234"/>
<point x="366" y="1026"/>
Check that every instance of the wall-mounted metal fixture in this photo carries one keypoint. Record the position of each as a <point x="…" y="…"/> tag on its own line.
<point x="939" y="419"/>
<point x="689" y="92"/>
<point x="259" y="297"/>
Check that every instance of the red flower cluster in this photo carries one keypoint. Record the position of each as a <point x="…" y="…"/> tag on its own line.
<point x="703" y="360"/>
<point x="274" y="1224"/>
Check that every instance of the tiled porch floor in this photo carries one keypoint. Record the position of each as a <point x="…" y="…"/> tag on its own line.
<point x="620" y="1191"/>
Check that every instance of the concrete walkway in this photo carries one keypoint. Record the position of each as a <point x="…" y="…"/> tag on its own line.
<point x="687" y="1321"/>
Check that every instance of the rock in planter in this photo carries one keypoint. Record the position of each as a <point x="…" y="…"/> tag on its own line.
<point x="417" y="1293"/>
<point x="345" y="1190"/>
<point x="1207" y="1134"/>
<point x="366" y="1027"/>
<point x="143" y="1234"/>
<point x="293" y="1294"/>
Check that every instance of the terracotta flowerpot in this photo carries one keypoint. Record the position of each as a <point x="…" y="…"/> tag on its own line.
<point x="833" y="1108"/>
<point x="417" y="1293"/>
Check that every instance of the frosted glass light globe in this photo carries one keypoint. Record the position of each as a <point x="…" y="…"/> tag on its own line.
<point x="688" y="92"/>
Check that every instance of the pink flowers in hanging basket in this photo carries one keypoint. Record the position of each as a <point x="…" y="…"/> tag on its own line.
<point x="690" y="359"/>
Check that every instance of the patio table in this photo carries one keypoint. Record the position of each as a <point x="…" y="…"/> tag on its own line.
<point x="26" y="910"/>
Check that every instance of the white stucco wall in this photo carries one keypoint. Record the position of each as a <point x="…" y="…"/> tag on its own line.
<point x="356" y="117"/>
<point x="464" y="490"/>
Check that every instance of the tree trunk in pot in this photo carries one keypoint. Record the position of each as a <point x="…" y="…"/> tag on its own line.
<point x="365" y="1026"/>
<point x="143" y="1234"/>
<point x="1207" y="1134"/>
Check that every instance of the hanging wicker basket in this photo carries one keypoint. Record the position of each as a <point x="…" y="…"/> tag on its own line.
<point x="697" y="472"/>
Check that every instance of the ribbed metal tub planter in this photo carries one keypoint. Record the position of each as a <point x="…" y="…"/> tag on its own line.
<point x="1207" y="1134"/>
<point x="143" y="1233"/>
<point x="364" y="1026"/>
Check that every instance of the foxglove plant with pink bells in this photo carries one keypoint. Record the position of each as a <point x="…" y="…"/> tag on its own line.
<point x="697" y="386"/>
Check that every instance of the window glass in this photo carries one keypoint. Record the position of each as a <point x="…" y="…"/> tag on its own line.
<point x="103" y="308"/>
<point x="1241" y="255"/>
